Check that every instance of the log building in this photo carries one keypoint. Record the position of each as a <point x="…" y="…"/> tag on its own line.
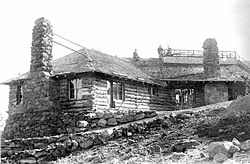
<point x="54" y="96"/>
<point x="91" y="80"/>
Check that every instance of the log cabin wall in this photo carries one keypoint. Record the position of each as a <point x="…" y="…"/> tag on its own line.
<point x="95" y="94"/>
<point x="84" y="101"/>
<point x="196" y="98"/>
<point x="235" y="90"/>
<point x="136" y="95"/>
<point x="199" y="95"/>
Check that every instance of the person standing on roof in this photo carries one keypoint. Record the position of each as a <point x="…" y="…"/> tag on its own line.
<point x="169" y="51"/>
<point x="160" y="51"/>
<point x="135" y="55"/>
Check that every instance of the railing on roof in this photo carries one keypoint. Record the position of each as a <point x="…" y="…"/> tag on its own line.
<point x="195" y="53"/>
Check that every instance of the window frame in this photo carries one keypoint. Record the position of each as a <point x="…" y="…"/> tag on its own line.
<point x="185" y="95"/>
<point x="77" y="86"/>
<point x="118" y="91"/>
<point x="153" y="91"/>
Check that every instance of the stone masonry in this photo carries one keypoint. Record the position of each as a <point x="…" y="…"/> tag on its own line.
<point x="39" y="91"/>
<point x="41" y="50"/>
<point x="210" y="57"/>
<point x="37" y="88"/>
<point x="215" y="93"/>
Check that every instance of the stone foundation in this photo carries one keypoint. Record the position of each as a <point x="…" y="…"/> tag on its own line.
<point x="43" y="149"/>
<point x="56" y="122"/>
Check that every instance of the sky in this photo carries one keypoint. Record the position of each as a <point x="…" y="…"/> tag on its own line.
<point x="117" y="27"/>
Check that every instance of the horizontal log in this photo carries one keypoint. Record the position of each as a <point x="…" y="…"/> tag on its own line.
<point x="77" y="109"/>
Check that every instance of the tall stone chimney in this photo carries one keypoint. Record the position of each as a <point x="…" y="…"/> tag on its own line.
<point x="41" y="50"/>
<point x="211" y="61"/>
<point x="37" y="89"/>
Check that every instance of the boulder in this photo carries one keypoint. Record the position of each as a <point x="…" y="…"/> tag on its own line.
<point x="100" y="114"/>
<point x="108" y="115"/>
<point x="12" y="145"/>
<point x="234" y="149"/>
<point x="112" y="122"/>
<point x="29" y="160"/>
<point x="102" y="123"/>
<point x="86" y="143"/>
<point x="63" y="138"/>
<point x="123" y="118"/>
<point x="236" y="155"/>
<point x="82" y="124"/>
<point x="219" y="147"/>
<point x="105" y="135"/>
<point x="56" y="153"/>
<point x="40" y="145"/>
<point x="245" y="145"/>
<point x="220" y="158"/>
<point x="139" y="116"/>
<point x="149" y="114"/>
<point x="74" y="145"/>
<point x="236" y="142"/>
<point x="92" y="115"/>
<point x="183" y="116"/>
<point x="40" y="154"/>
<point x="183" y="145"/>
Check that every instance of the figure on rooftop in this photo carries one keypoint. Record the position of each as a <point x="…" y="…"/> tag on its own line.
<point x="135" y="55"/>
<point x="160" y="51"/>
<point x="169" y="51"/>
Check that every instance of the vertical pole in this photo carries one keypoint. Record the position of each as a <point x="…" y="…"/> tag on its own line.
<point x="111" y="95"/>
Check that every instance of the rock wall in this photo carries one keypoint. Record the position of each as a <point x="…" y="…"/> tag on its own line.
<point x="40" y="149"/>
<point x="55" y="122"/>
<point x="215" y="93"/>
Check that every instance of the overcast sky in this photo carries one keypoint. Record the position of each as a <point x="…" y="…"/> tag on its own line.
<point x="117" y="27"/>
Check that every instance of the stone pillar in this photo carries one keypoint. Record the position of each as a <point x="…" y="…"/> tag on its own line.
<point x="211" y="58"/>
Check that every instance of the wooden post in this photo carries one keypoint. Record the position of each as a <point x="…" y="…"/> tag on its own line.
<point x="111" y="95"/>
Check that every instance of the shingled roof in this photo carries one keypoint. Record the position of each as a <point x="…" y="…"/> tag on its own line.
<point x="145" y="70"/>
<point x="157" y="69"/>
<point x="99" y="62"/>
<point x="226" y="73"/>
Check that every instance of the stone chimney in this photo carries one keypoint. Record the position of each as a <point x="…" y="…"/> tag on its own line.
<point x="37" y="89"/>
<point x="41" y="50"/>
<point x="210" y="58"/>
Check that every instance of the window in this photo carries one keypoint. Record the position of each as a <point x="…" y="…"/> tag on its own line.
<point x="153" y="91"/>
<point x="118" y="91"/>
<point x="184" y="96"/>
<point x="19" y="95"/>
<point x="75" y="89"/>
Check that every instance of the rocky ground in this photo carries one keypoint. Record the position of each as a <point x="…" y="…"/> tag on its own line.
<point x="211" y="134"/>
<point x="184" y="137"/>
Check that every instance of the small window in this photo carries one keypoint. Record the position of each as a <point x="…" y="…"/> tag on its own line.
<point x="153" y="91"/>
<point x="118" y="91"/>
<point x="19" y="95"/>
<point x="184" y="95"/>
<point x="75" y="88"/>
